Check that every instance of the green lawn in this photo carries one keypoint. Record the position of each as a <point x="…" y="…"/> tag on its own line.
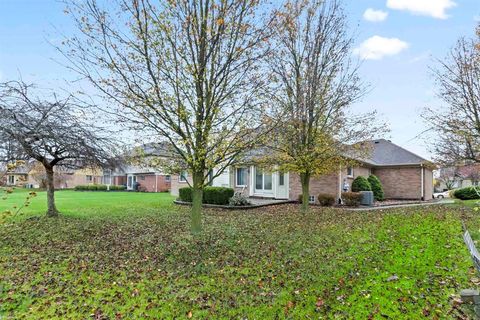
<point x="131" y="256"/>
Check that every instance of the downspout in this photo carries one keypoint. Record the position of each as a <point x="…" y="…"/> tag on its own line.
<point x="156" y="182"/>
<point x="339" y="187"/>
<point x="422" y="170"/>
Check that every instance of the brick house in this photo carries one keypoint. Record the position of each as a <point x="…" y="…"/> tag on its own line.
<point x="147" y="179"/>
<point x="142" y="177"/>
<point x="31" y="174"/>
<point x="404" y="175"/>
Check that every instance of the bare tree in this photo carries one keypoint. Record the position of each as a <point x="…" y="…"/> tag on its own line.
<point x="315" y="84"/>
<point x="449" y="176"/>
<point x="50" y="130"/>
<point x="184" y="71"/>
<point x="39" y="175"/>
<point x="457" y="125"/>
<point x="471" y="172"/>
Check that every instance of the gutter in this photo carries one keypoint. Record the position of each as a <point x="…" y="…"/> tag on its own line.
<point x="422" y="182"/>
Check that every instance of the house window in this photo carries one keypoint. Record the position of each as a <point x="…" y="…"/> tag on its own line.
<point x="311" y="199"/>
<point x="350" y="171"/>
<point x="89" y="178"/>
<point x="281" y="179"/>
<point x="11" y="179"/>
<point x="183" y="176"/>
<point x="241" y="177"/>
<point x="167" y="178"/>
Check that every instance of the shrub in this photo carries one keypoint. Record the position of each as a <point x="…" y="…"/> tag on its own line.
<point x="352" y="199"/>
<point x="377" y="187"/>
<point x="185" y="194"/>
<point x="211" y="195"/>
<point x="300" y="198"/>
<point x="361" y="184"/>
<point x="326" y="199"/>
<point x="101" y="187"/>
<point x="217" y="195"/>
<point x="238" y="200"/>
<point x="117" y="188"/>
<point x="467" y="193"/>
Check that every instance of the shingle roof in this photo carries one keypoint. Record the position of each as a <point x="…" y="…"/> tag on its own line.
<point x="386" y="153"/>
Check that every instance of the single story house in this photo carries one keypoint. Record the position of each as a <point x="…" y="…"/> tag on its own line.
<point x="404" y="175"/>
<point x="32" y="175"/>
<point x="141" y="176"/>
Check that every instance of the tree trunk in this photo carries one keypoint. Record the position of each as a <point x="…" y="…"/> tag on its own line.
<point x="197" y="197"/>
<point x="52" y="209"/>
<point x="305" y="181"/>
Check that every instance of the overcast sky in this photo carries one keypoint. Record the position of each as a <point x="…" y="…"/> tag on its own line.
<point x="397" y="40"/>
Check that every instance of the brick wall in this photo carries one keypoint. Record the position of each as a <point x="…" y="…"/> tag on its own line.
<point x="120" y="180"/>
<point x="400" y="183"/>
<point x="428" y="174"/>
<point x="324" y="184"/>
<point x="233" y="180"/>
<point x="176" y="184"/>
<point x="357" y="171"/>
<point x="153" y="183"/>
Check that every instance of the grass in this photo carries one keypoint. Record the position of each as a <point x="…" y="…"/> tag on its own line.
<point x="131" y="256"/>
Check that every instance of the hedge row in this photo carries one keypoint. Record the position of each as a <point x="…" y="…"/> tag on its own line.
<point x="211" y="195"/>
<point x="468" y="193"/>
<point x="352" y="199"/>
<point x="98" y="187"/>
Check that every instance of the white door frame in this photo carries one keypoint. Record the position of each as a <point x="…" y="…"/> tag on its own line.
<point x="134" y="179"/>
<point x="286" y="185"/>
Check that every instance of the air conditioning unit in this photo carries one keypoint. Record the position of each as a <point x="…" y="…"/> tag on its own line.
<point x="367" y="198"/>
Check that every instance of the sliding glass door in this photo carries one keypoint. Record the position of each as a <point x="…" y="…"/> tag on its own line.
<point x="263" y="182"/>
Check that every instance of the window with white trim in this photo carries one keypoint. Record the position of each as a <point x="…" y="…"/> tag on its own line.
<point x="11" y="179"/>
<point x="350" y="171"/>
<point x="183" y="176"/>
<point x="89" y="178"/>
<point x="311" y="199"/>
<point x="281" y="178"/>
<point x="241" y="177"/>
<point x="167" y="178"/>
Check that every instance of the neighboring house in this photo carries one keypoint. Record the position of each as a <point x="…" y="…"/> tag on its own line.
<point x="404" y="175"/>
<point x="459" y="176"/>
<point x="32" y="175"/>
<point x="142" y="176"/>
<point x="147" y="179"/>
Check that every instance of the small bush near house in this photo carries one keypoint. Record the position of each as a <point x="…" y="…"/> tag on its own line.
<point x="468" y="193"/>
<point x="102" y="187"/>
<point x="238" y="200"/>
<point x="117" y="188"/>
<point x="300" y="197"/>
<point x="377" y="187"/>
<point x="361" y="184"/>
<point x="352" y="199"/>
<point x="185" y="194"/>
<point x="326" y="200"/>
<point x="217" y="195"/>
<point x="211" y="195"/>
<point x="98" y="187"/>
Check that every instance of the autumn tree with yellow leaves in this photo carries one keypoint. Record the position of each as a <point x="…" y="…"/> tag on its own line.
<point x="183" y="71"/>
<point x="315" y="83"/>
